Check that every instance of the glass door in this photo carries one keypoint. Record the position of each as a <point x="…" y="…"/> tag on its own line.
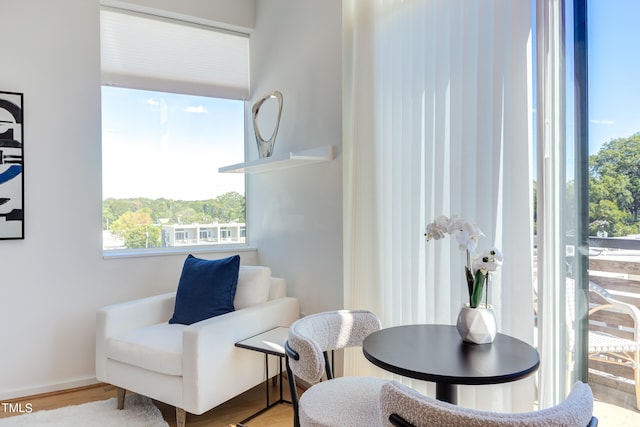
<point x="613" y="221"/>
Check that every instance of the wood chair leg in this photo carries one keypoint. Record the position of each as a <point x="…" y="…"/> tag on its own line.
<point x="121" y="394"/>
<point x="181" y="417"/>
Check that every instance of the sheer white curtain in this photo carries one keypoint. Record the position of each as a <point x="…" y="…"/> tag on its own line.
<point x="556" y="361"/>
<point x="437" y="99"/>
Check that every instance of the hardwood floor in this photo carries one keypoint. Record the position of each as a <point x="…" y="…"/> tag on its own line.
<point x="237" y="409"/>
<point x="59" y="399"/>
<point x="225" y="415"/>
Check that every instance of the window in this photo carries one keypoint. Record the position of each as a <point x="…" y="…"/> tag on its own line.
<point x="613" y="180"/>
<point x="591" y="144"/>
<point x="171" y="116"/>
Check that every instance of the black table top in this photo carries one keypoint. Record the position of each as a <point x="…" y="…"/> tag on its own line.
<point x="437" y="353"/>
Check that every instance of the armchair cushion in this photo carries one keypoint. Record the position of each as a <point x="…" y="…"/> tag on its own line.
<point x="254" y="283"/>
<point x="157" y="348"/>
<point x="206" y="289"/>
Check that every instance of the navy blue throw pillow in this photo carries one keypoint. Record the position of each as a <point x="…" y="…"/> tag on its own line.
<point x="206" y="289"/>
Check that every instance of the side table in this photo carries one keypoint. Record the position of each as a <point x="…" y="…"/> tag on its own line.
<point x="270" y="342"/>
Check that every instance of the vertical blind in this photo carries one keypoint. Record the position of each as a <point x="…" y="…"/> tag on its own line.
<point x="152" y="53"/>
<point x="550" y="111"/>
<point x="437" y="121"/>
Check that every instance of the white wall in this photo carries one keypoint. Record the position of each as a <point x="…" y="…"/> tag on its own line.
<point x="295" y="215"/>
<point x="52" y="282"/>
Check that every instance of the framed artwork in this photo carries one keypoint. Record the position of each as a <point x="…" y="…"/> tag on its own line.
<point x="11" y="166"/>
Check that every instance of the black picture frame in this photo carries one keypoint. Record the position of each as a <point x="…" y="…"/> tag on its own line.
<point x="11" y="165"/>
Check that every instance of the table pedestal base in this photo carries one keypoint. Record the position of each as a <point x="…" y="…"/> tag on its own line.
<point x="447" y="393"/>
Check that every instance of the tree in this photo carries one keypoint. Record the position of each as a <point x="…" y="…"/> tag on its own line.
<point x="137" y="230"/>
<point x="618" y="159"/>
<point x="614" y="187"/>
<point x="228" y="207"/>
<point x="138" y="220"/>
<point x="112" y="209"/>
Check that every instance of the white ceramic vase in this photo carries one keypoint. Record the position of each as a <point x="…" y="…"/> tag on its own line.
<point x="477" y="325"/>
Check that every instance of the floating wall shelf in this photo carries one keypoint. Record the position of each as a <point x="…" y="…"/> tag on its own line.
<point x="282" y="161"/>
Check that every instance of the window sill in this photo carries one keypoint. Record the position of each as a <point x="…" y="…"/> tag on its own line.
<point x="184" y="250"/>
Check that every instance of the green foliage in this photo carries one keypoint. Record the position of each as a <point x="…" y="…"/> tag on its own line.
<point x="614" y="187"/>
<point x="476" y="287"/>
<point x="229" y="206"/>
<point x="139" y="221"/>
<point x="611" y="219"/>
<point x="137" y="229"/>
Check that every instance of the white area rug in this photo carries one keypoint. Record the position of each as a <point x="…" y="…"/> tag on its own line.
<point x="139" y="411"/>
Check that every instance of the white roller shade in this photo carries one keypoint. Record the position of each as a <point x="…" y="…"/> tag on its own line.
<point x="151" y="53"/>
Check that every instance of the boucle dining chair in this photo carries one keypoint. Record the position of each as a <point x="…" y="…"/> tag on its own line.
<point x="345" y="401"/>
<point x="402" y="406"/>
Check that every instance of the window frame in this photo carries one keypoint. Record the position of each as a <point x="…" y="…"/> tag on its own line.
<point x="138" y="83"/>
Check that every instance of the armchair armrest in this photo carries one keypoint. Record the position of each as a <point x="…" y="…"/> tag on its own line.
<point x="118" y="318"/>
<point x="209" y="344"/>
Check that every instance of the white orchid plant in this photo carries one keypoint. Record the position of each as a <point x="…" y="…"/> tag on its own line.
<point x="477" y="269"/>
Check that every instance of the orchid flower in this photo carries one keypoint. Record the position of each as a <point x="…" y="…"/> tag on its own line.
<point x="434" y="232"/>
<point x="490" y="260"/>
<point x="467" y="235"/>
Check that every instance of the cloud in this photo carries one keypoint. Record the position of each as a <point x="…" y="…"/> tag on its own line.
<point x="602" y="122"/>
<point x="198" y="109"/>
<point x="153" y="102"/>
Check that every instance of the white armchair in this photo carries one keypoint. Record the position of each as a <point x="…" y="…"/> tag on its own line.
<point x="192" y="367"/>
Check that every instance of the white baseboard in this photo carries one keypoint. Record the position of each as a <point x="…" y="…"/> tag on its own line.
<point x="32" y="391"/>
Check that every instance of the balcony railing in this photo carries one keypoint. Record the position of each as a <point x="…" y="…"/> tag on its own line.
<point x="614" y="264"/>
<point x="209" y="241"/>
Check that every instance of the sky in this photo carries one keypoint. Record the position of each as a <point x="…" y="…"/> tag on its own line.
<point x="613" y="28"/>
<point x="167" y="145"/>
<point x="614" y="70"/>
